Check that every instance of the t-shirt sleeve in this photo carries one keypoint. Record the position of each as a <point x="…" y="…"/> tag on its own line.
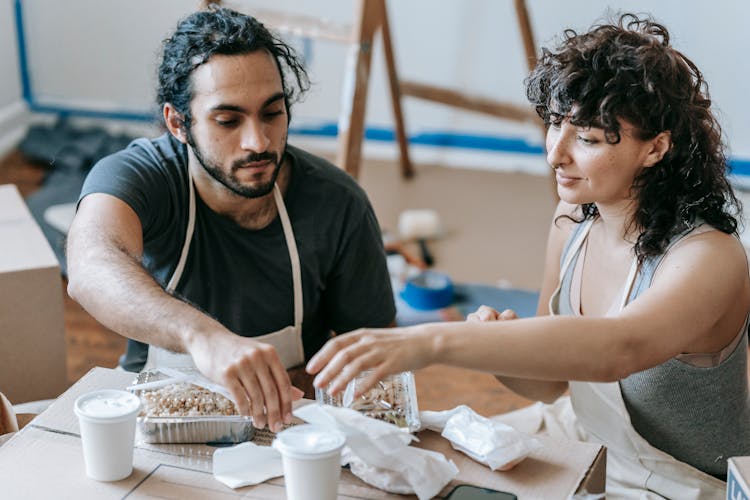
<point x="359" y="291"/>
<point x="136" y="178"/>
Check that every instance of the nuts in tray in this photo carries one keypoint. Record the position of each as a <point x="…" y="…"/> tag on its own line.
<point x="184" y="400"/>
<point x="384" y="402"/>
<point x="393" y="400"/>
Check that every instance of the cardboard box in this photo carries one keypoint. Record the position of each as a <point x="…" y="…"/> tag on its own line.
<point x="738" y="478"/>
<point x="45" y="459"/>
<point x="32" y="329"/>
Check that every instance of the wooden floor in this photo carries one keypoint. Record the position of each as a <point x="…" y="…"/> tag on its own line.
<point x="90" y="344"/>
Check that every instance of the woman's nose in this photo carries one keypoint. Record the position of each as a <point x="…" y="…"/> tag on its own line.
<point x="557" y="147"/>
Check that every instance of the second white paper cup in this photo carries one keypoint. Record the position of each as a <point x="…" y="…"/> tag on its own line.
<point x="311" y="456"/>
<point x="107" y="420"/>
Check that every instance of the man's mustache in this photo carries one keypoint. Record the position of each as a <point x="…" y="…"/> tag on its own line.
<point x="254" y="157"/>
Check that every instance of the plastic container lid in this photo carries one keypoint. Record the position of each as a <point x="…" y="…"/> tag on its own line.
<point x="108" y="405"/>
<point x="309" y="441"/>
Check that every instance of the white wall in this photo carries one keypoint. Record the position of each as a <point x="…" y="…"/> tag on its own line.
<point x="12" y="108"/>
<point x="101" y="54"/>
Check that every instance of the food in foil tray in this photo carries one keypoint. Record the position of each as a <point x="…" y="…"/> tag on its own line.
<point x="393" y="399"/>
<point x="178" y="409"/>
<point x="184" y="400"/>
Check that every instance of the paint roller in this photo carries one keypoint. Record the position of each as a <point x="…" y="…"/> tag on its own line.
<point x="420" y="225"/>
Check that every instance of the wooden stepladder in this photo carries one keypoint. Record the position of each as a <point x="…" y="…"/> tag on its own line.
<point x="370" y="16"/>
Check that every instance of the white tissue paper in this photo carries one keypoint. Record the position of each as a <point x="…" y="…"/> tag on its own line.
<point x="497" y="445"/>
<point x="246" y="464"/>
<point x="380" y="455"/>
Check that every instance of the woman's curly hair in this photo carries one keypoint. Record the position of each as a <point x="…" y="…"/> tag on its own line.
<point x="221" y="31"/>
<point x="629" y="71"/>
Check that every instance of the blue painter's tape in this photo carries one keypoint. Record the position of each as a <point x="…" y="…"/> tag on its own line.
<point x="23" y="64"/>
<point x="91" y="113"/>
<point x="739" y="167"/>
<point x="428" y="290"/>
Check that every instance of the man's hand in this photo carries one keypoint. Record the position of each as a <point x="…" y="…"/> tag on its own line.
<point x="252" y="372"/>
<point x="486" y="313"/>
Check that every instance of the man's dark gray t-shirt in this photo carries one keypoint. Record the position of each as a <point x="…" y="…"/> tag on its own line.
<point x="243" y="277"/>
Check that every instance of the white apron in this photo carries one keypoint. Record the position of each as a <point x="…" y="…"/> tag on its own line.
<point x="287" y="341"/>
<point x="635" y="469"/>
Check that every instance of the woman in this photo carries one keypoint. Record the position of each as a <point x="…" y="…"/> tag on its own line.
<point x="646" y="291"/>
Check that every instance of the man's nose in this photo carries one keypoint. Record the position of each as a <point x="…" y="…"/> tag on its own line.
<point x="255" y="137"/>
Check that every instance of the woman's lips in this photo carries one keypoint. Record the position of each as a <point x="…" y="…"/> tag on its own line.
<point x="565" y="180"/>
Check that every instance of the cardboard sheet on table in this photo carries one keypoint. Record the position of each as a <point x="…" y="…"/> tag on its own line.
<point x="549" y="472"/>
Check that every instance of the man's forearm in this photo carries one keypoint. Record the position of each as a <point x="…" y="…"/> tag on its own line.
<point x="116" y="290"/>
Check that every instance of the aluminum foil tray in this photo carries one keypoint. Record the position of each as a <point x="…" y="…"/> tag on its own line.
<point x="218" y="428"/>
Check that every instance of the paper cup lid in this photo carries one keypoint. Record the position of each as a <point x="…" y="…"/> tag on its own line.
<point x="107" y="405"/>
<point x="309" y="441"/>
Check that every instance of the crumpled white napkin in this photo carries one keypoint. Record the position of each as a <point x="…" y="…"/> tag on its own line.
<point x="379" y="452"/>
<point x="246" y="464"/>
<point x="497" y="445"/>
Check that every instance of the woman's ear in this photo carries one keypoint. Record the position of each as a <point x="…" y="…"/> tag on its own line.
<point x="660" y="145"/>
<point x="175" y="123"/>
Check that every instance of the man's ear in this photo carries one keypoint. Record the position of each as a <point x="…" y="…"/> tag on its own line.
<point x="175" y="123"/>
<point x="660" y="145"/>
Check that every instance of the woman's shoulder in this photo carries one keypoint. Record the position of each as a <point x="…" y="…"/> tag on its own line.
<point x="705" y="239"/>
<point x="704" y="280"/>
<point x="710" y="252"/>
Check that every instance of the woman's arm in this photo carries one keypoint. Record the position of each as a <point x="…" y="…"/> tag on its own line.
<point x="559" y="232"/>
<point x="698" y="303"/>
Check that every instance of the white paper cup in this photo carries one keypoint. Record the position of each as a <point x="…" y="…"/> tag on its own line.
<point x="311" y="456"/>
<point x="107" y="421"/>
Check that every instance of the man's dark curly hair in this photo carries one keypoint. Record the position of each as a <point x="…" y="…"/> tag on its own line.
<point x="629" y="71"/>
<point x="221" y="31"/>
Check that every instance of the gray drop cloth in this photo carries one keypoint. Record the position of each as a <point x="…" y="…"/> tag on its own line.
<point x="69" y="152"/>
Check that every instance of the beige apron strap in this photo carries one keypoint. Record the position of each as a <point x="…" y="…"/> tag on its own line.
<point x="628" y="284"/>
<point x="158" y="356"/>
<point x="566" y="263"/>
<point x="293" y="257"/>
<point x="177" y="274"/>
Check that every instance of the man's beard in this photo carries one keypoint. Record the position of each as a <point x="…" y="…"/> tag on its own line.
<point x="229" y="180"/>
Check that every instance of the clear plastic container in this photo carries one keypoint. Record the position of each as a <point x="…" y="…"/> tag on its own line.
<point x="393" y="399"/>
<point x="207" y="422"/>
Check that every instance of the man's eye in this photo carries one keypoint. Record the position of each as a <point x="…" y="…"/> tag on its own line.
<point x="274" y="114"/>
<point x="587" y="140"/>
<point x="226" y="123"/>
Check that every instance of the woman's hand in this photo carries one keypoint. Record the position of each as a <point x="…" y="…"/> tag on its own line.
<point x="486" y="313"/>
<point x="385" y="351"/>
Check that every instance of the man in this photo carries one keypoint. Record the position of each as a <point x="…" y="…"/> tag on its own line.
<point x="217" y="239"/>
